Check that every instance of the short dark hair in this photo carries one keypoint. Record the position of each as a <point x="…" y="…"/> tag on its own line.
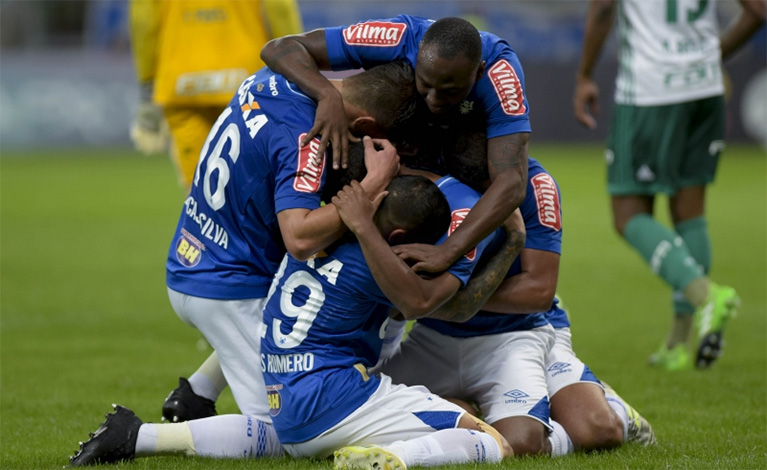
<point x="452" y="36"/>
<point x="416" y="205"/>
<point x="335" y="180"/>
<point x="386" y="92"/>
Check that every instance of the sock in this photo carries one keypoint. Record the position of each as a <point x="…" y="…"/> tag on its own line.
<point x="616" y="404"/>
<point x="680" y="330"/>
<point x="395" y="329"/>
<point x="208" y="381"/>
<point x="561" y="444"/>
<point x="694" y="232"/>
<point x="664" y="251"/>
<point x="223" y="436"/>
<point x="448" y="446"/>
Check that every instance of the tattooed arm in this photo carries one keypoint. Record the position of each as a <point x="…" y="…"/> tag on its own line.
<point x="485" y="280"/>
<point x="507" y="165"/>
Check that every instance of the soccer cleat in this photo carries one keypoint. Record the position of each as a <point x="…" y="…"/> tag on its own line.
<point x="639" y="429"/>
<point x="184" y="405"/>
<point x="711" y="319"/>
<point x="114" y="441"/>
<point x="366" y="458"/>
<point x="676" y="358"/>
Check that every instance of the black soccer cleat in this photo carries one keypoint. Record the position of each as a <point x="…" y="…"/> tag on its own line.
<point x="114" y="441"/>
<point x="184" y="405"/>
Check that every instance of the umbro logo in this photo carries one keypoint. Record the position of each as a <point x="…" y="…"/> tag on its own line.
<point x="516" y="393"/>
<point x="558" y="366"/>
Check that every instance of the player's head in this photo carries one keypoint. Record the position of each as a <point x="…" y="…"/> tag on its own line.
<point x="449" y="62"/>
<point x="387" y="98"/>
<point x="336" y="179"/>
<point x="414" y="211"/>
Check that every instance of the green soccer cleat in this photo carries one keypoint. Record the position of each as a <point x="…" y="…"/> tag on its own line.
<point x="639" y="429"/>
<point x="676" y="358"/>
<point x="711" y="318"/>
<point x="366" y="458"/>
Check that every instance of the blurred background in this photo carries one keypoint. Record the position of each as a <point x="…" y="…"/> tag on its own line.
<point x="67" y="79"/>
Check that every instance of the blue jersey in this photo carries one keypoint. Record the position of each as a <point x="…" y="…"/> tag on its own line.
<point x="322" y="317"/>
<point x="461" y="198"/>
<point x="228" y="243"/>
<point x="541" y="211"/>
<point x="324" y="327"/>
<point x="499" y="96"/>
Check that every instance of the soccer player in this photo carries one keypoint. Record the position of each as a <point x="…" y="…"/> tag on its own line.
<point x="666" y="136"/>
<point x="190" y="56"/>
<point x="256" y="194"/>
<point x="465" y="76"/>
<point x="507" y="359"/>
<point x="338" y="321"/>
<point x="324" y="321"/>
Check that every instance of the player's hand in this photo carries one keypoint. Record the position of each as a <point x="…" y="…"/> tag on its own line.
<point x="355" y="207"/>
<point x="332" y="125"/>
<point x="149" y="130"/>
<point x="429" y="258"/>
<point x="382" y="163"/>
<point x="586" y="102"/>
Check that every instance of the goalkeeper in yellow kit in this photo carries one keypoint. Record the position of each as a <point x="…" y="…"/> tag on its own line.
<point x="190" y="57"/>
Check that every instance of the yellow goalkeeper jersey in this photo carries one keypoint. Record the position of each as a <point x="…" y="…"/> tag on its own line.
<point x="197" y="52"/>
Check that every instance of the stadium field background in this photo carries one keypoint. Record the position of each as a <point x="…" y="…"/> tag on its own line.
<point x="86" y="321"/>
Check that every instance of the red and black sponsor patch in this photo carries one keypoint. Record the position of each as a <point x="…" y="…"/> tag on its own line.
<point x="508" y="88"/>
<point x="311" y="165"/>
<point x="547" y="200"/>
<point x="374" y="33"/>
<point x="456" y="219"/>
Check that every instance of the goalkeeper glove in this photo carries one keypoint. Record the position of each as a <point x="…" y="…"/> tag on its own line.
<point x="149" y="130"/>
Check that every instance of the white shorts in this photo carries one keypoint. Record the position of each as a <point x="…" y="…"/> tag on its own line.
<point x="392" y="413"/>
<point x="502" y="373"/>
<point x="563" y="368"/>
<point x="233" y="329"/>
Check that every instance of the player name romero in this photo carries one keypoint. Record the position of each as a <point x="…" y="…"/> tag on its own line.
<point x="208" y="229"/>
<point x="285" y="363"/>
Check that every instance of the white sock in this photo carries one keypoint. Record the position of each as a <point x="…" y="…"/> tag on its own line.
<point x="560" y="441"/>
<point x="223" y="436"/>
<point x="395" y="330"/>
<point x="448" y="446"/>
<point x="616" y="403"/>
<point x="208" y="380"/>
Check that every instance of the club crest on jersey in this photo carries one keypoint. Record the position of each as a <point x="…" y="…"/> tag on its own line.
<point x="547" y="201"/>
<point x="456" y="219"/>
<point x="508" y="88"/>
<point x="310" y="167"/>
<point x="374" y="33"/>
<point x="188" y="250"/>
<point x="274" y="398"/>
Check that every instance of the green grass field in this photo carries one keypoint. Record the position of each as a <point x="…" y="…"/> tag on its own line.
<point x="86" y="321"/>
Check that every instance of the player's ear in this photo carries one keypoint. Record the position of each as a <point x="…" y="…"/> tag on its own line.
<point x="398" y="236"/>
<point x="480" y="70"/>
<point x="365" y="125"/>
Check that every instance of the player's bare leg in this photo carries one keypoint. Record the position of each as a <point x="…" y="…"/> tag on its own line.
<point x="582" y="410"/>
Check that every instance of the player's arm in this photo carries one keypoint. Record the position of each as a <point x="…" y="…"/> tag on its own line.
<point x="487" y="278"/>
<point x="300" y="58"/>
<point x="507" y="165"/>
<point x="413" y="295"/>
<point x="751" y="18"/>
<point x="305" y="232"/>
<point x="599" y="21"/>
<point x="530" y="291"/>
<point x="283" y="17"/>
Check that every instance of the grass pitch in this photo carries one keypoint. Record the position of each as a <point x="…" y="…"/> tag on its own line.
<point x="86" y="321"/>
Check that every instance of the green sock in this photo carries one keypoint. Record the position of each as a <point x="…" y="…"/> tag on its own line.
<point x="694" y="232"/>
<point x="663" y="250"/>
